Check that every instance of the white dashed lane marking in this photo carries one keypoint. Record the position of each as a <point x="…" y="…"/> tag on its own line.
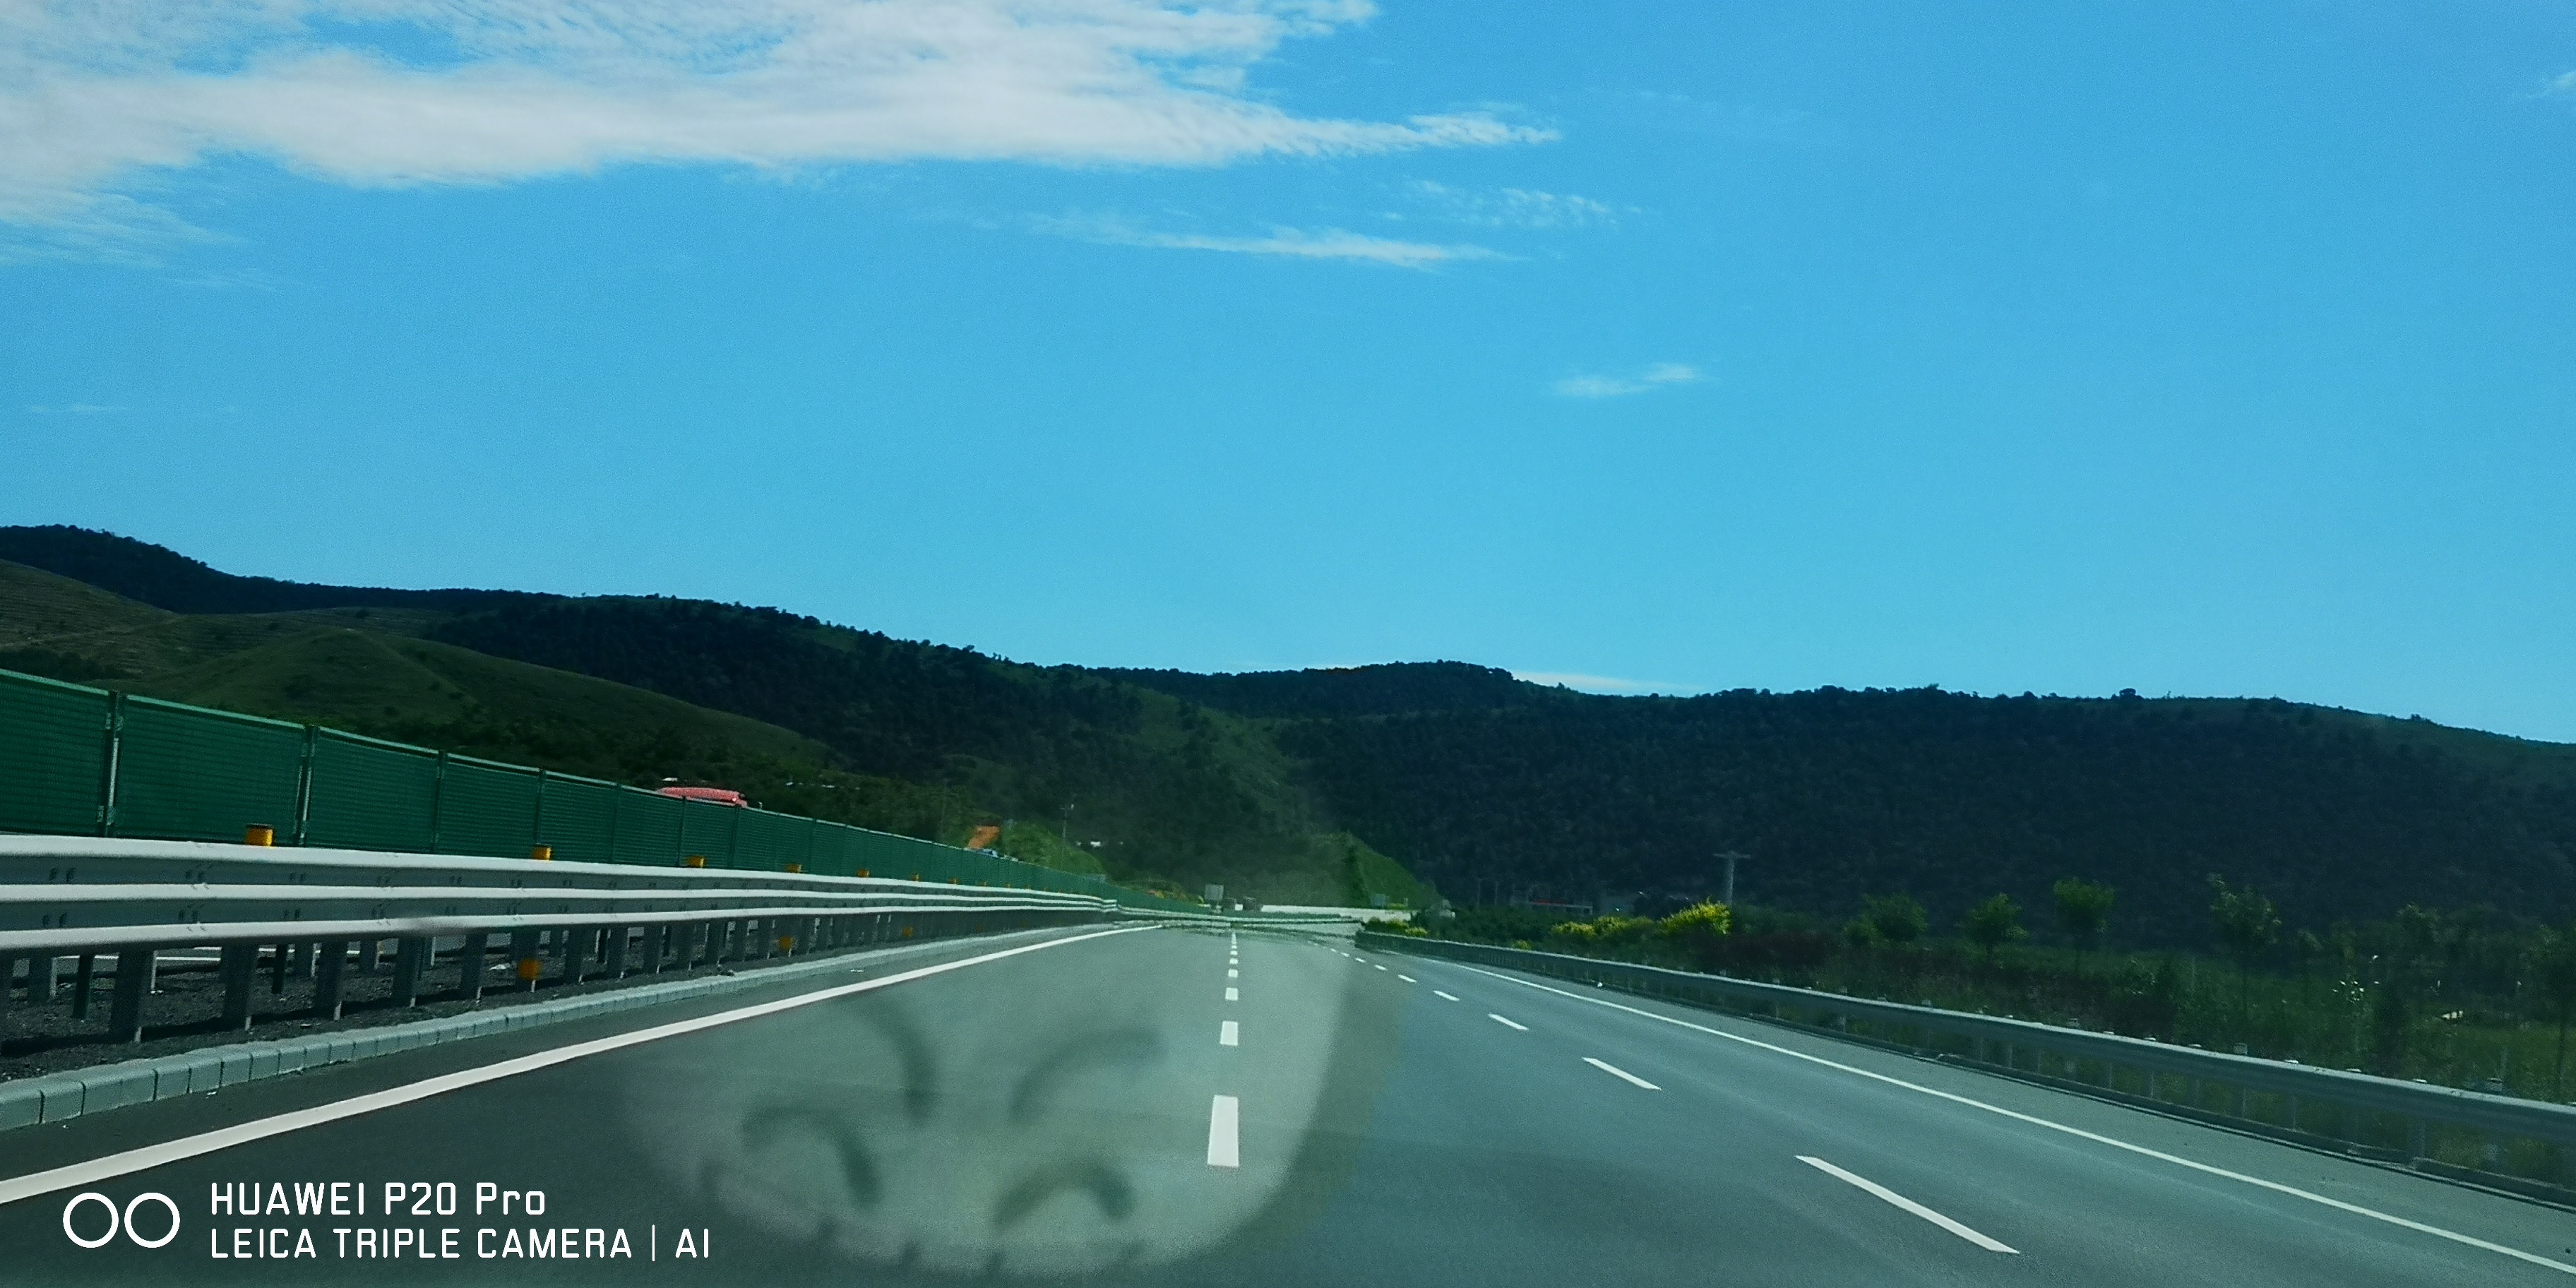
<point x="1516" y="1028"/>
<point x="1617" y="1072"/>
<point x="1909" y="1205"/>
<point x="1223" y="1151"/>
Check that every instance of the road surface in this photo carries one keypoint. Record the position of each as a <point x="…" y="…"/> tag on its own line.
<point x="1193" y="1107"/>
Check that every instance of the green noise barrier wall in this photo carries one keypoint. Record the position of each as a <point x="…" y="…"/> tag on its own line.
<point x="78" y="761"/>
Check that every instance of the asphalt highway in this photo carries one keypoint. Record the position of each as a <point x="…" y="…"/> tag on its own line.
<point x="1192" y="1107"/>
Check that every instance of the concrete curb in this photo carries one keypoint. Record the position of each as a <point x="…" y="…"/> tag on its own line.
<point x="56" y="1097"/>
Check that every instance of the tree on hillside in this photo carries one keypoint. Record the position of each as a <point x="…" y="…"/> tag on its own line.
<point x="1992" y="924"/>
<point x="2307" y="948"/>
<point x="2083" y="909"/>
<point x="2557" y="980"/>
<point x="1698" y="929"/>
<point x="2246" y="924"/>
<point x="1897" y="918"/>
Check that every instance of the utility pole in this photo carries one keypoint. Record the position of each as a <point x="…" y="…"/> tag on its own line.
<point x="1730" y="856"/>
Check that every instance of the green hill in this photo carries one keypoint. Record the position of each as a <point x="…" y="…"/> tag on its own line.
<point x="1951" y="797"/>
<point x="805" y="717"/>
<point x="1297" y="786"/>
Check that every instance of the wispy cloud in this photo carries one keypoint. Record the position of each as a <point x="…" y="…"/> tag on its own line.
<point x="76" y="409"/>
<point x="392" y="92"/>
<point x="1298" y="243"/>
<point x="1596" y="683"/>
<point x="2564" y="84"/>
<point x="1508" y="207"/>
<point x="1662" y="375"/>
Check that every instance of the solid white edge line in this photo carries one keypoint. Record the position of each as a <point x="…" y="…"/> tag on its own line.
<point x="1909" y="1205"/>
<point x="1229" y="1033"/>
<point x="150" y="1156"/>
<point x="1224" y="1119"/>
<point x="1617" y="1072"/>
<point x="1448" y="997"/>
<point x="1509" y="1024"/>
<point x="2277" y="1187"/>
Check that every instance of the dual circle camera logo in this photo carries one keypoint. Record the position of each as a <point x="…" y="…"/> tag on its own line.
<point x="118" y="1219"/>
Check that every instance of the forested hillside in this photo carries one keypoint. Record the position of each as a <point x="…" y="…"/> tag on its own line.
<point x="1165" y="786"/>
<point x="1836" y="794"/>
<point x="1299" y="785"/>
<point x="849" y="725"/>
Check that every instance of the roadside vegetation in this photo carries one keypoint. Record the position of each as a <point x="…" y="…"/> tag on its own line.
<point x="2465" y="998"/>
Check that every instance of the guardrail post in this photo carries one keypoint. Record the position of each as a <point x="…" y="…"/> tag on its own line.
<point x="240" y="967"/>
<point x="652" y="960"/>
<point x="2415" y="1148"/>
<point x="368" y="949"/>
<point x="327" y="971"/>
<point x="133" y="981"/>
<point x="277" y="973"/>
<point x="470" y="963"/>
<point x="576" y="946"/>
<point x="612" y="960"/>
<point x="408" y="965"/>
<point x="8" y="982"/>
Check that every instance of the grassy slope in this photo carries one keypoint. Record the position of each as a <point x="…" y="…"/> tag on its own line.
<point x="320" y="666"/>
<point x="1168" y="791"/>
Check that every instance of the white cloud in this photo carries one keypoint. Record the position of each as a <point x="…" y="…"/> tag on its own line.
<point x="1300" y="243"/>
<point x="1512" y="207"/>
<point x="2564" y="84"/>
<point x="1595" y="683"/>
<point x="390" y="92"/>
<point x="1658" y="376"/>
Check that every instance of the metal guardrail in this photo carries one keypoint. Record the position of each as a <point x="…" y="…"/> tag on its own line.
<point x="2001" y="1042"/>
<point x="73" y="898"/>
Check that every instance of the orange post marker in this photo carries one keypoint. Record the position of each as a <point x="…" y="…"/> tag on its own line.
<point x="542" y="853"/>
<point x="694" y="861"/>
<point x="529" y="968"/>
<point x="259" y="834"/>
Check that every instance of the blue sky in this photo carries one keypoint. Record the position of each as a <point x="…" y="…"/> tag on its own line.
<point x="2196" y="348"/>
